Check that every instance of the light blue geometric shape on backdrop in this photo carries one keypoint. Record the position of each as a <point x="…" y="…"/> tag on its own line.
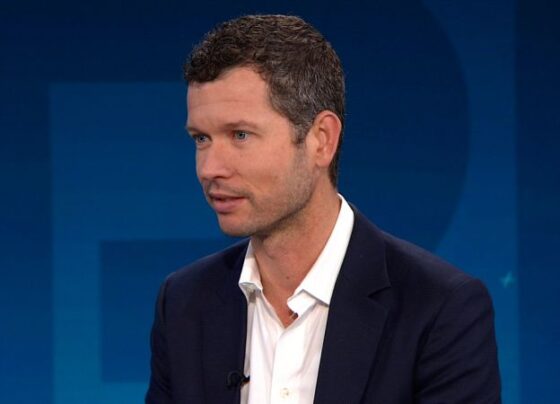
<point x="123" y="169"/>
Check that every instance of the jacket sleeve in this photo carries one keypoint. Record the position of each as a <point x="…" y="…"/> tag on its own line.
<point x="458" y="362"/>
<point x="159" y="390"/>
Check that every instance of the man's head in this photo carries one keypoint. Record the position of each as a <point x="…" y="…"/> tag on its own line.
<point x="302" y="71"/>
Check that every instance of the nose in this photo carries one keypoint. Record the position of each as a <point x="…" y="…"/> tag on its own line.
<point x="213" y="162"/>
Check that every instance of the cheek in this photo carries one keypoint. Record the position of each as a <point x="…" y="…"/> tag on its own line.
<point x="270" y="169"/>
<point x="197" y="164"/>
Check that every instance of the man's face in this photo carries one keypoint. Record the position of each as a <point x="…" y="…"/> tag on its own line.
<point x="253" y="175"/>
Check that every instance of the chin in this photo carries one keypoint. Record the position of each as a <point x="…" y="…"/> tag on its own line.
<point x="235" y="231"/>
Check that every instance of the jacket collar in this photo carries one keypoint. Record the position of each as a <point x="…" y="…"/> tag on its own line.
<point x="356" y="317"/>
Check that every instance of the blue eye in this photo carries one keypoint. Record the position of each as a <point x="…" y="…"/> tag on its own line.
<point x="200" y="139"/>
<point x="240" y="135"/>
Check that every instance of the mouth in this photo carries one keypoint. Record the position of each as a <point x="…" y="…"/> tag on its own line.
<point x="224" y="204"/>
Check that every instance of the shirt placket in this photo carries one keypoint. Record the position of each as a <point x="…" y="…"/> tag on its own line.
<point x="289" y="355"/>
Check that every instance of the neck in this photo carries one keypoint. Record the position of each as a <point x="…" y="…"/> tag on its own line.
<point x="286" y="256"/>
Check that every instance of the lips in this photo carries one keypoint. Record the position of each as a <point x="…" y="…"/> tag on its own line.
<point x="223" y="203"/>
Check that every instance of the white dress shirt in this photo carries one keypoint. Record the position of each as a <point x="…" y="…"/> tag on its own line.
<point x="283" y="362"/>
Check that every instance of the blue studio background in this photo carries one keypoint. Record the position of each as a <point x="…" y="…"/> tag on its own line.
<point x="452" y="142"/>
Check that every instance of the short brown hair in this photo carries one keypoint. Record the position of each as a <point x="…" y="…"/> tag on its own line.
<point x="303" y="73"/>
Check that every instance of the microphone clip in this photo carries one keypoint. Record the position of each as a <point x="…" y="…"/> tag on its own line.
<point x="236" y="379"/>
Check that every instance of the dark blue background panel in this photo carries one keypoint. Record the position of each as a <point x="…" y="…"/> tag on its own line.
<point x="538" y="151"/>
<point x="408" y="120"/>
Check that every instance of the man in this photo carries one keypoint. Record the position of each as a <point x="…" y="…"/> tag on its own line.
<point x="318" y="305"/>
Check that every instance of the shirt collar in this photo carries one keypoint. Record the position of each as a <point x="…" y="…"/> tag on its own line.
<point x="250" y="279"/>
<point x="319" y="281"/>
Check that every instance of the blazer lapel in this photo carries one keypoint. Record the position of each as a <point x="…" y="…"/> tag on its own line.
<point x="356" y="318"/>
<point x="224" y="329"/>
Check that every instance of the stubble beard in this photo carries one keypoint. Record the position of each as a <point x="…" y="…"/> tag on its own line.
<point x="282" y="211"/>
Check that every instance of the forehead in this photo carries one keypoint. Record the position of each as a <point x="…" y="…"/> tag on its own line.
<point x="239" y="93"/>
<point x="237" y="84"/>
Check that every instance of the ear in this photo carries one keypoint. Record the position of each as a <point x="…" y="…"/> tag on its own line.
<point x="323" y="137"/>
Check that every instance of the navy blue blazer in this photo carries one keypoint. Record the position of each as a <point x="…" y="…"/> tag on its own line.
<point x="403" y="327"/>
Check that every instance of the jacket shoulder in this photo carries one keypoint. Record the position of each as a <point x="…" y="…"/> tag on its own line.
<point x="399" y="263"/>
<point x="410" y="264"/>
<point x="205" y="274"/>
<point x="423" y="285"/>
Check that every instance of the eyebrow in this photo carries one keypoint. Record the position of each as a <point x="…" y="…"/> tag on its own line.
<point x="190" y="129"/>
<point x="240" y="124"/>
<point x="228" y="126"/>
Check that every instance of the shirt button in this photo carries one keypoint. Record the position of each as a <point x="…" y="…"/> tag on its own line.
<point x="284" y="393"/>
